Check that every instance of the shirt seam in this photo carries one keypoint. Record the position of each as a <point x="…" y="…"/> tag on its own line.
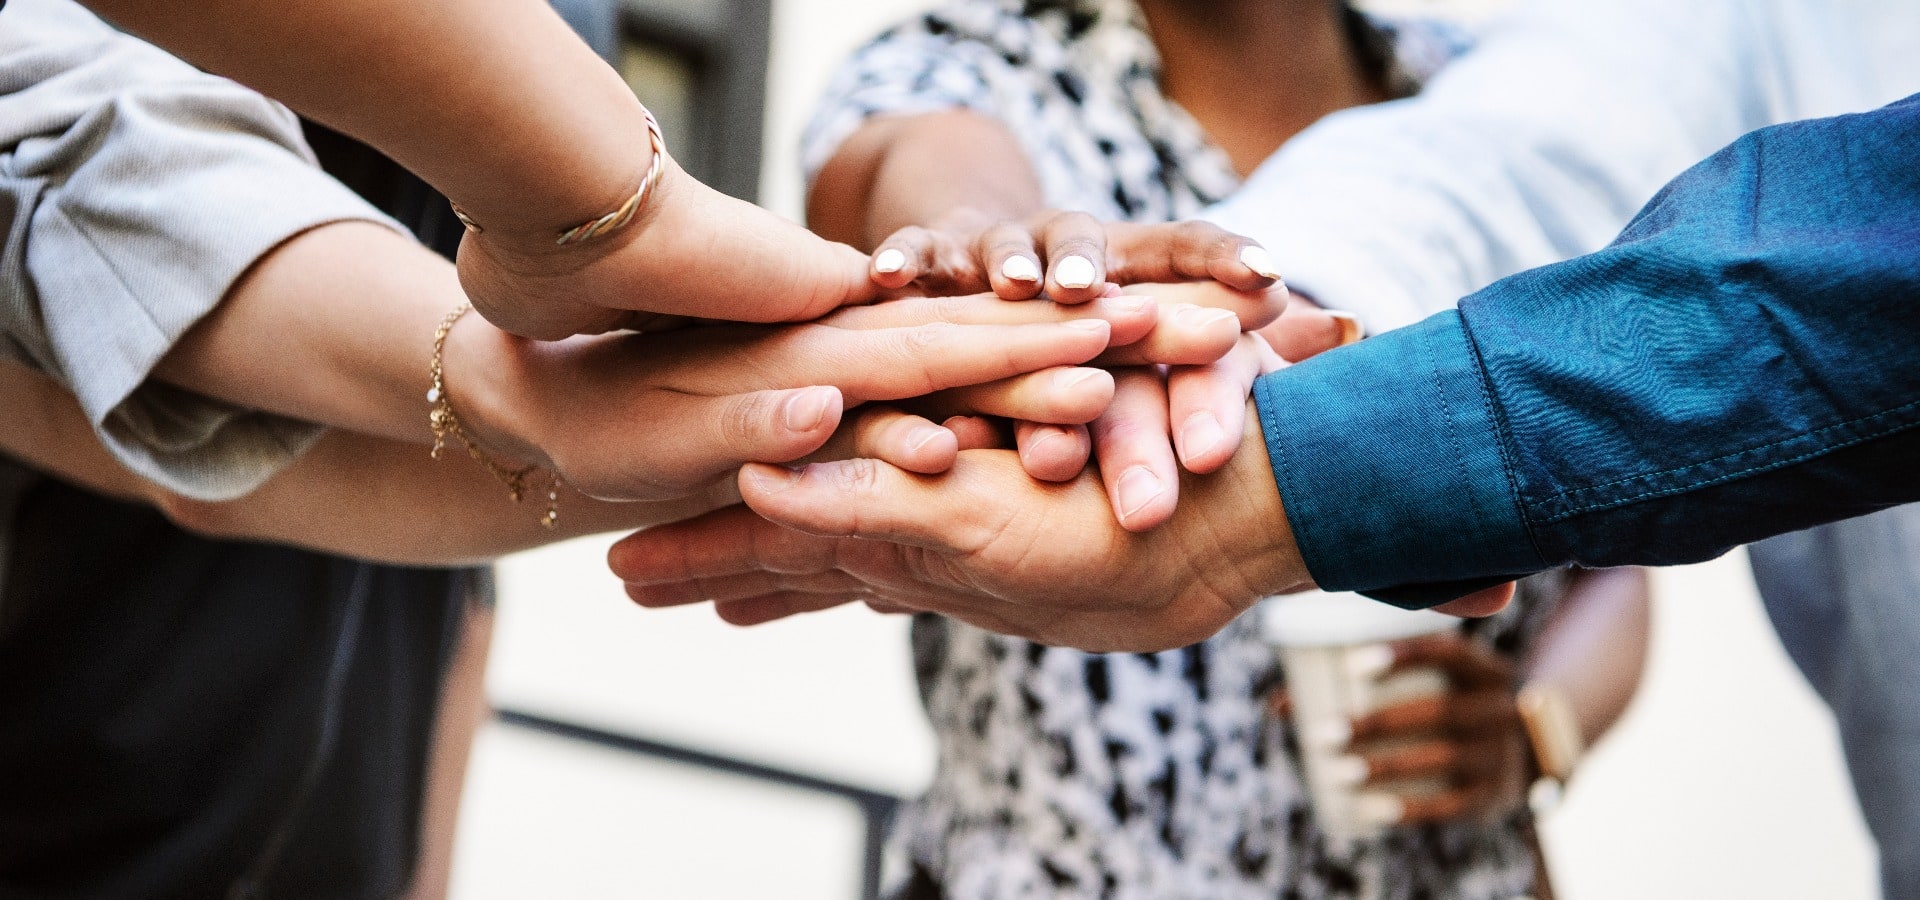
<point x="1496" y="416"/>
<point x="1731" y="476"/>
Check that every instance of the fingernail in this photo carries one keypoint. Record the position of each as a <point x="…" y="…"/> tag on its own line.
<point x="1370" y="661"/>
<point x="1099" y="325"/>
<point x="924" y="435"/>
<point x="1074" y="272"/>
<point x="1348" y="771"/>
<point x="1042" y="437"/>
<point x="1020" y="268"/>
<point x="807" y="409"/>
<point x="1332" y="733"/>
<point x="1201" y="316"/>
<point x="889" y="261"/>
<point x="1201" y="433"/>
<point x="1351" y="330"/>
<point x="770" y="479"/>
<point x="1132" y="302"/>
<point x="1379" y="809"/>
<point x="1138" y="487"/>
<point x="1260" y="261"/>
<point x="1073" y="378"/>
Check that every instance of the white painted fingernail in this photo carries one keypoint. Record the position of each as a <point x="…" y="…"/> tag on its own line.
<point x="1332" y="734"/>
<point x="1379" y="809"/>
<point x="1201" y="316"/>
<point x="1138" y="487"/>
<point x="1370" y="661"/>
<point x="1260" y="261"/>
<point x="1020" y="268"/>
<point x="1074" y="272"/>
<point x="1347" y="771"/>
<point x="889" y="261"/>
<point x="1201" y="433"/>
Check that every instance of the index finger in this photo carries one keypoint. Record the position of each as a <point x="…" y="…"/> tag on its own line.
<point x="1187" y="251"/>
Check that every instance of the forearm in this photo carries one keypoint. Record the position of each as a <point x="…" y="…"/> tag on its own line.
<point x="350" y="494"/>
<point x="1594" y="648"/>
<point x="495" y="102"/>
<point x="334" y="326"/>
<point x="912" y="170"/>
<point x="1738" y="365"/>
<point x="388" y="501"/>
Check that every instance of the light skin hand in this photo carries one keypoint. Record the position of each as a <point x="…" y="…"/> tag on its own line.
<point x="1202" y="405"/>
<point x="984" y="543"/>
<point x="691" y="252"/>
<point x="595" y="408"/>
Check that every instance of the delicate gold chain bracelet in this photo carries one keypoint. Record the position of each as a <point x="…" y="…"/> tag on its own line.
<point x="445" y="422"/>
<point x="619" y="218"/>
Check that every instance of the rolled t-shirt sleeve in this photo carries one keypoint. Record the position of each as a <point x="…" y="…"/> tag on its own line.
<point x="134" y="192"/>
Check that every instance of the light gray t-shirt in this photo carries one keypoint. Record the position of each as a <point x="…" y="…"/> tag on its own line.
<point x="134" y="191"/>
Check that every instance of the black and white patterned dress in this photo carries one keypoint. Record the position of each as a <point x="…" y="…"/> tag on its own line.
<point x="1151" y="776"/>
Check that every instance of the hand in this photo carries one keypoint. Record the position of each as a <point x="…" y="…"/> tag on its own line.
<point x="1469" y="738"/>
<point x="1187" y="410"/>
<point x="692" y="251"/>
<point x="1070" y="256"/>
<point x="983" y="543"/>
<point x="655" y="416"/>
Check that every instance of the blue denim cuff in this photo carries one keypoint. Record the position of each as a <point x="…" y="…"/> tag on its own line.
<point x="1388" y="458"/>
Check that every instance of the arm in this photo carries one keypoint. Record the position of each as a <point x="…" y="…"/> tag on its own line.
<point x="350" y="494"/>
<point x="1543" y="140"/>
<point x="499" y="106"/>
<point x="1739" y="364"/>
<point x="1594" y="648"/>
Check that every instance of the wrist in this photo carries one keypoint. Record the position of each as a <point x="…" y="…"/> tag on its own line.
<point x="489" y="380"/>
<point x="1252" y="531"/>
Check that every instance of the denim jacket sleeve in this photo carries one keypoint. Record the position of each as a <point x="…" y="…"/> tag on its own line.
<point x="1743" y="361"/>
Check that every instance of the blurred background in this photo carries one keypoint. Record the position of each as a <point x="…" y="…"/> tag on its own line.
<point x="669" y="755"/>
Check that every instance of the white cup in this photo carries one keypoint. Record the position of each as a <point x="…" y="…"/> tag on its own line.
<point x="1333" y="650"/>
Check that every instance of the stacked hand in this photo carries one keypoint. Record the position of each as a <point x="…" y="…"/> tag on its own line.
<point x="1002" y="525"/>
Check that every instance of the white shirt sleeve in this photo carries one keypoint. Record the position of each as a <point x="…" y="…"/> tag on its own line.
<point x="134" y="191"/>
<point x="1544" y="140"/>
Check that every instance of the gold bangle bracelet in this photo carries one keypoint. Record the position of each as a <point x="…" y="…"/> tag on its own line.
<point x="446" y="423"/>
<point x="619" y="218"/>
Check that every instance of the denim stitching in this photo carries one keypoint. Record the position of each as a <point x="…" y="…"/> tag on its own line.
<point x="1566" y="494"/>
<point x="1446" y="414"/>
<point x="1501" y="440"/>
<point x="1731" y="476"/>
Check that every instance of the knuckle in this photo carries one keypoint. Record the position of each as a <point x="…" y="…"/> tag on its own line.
<point x="856" y="476"/>
<point x="744" y="419"/>
<point x="923" y="339"/>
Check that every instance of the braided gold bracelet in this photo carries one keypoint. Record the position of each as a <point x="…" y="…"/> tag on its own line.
<point x="446" y="423"/>
<point x="619" y="218"/>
